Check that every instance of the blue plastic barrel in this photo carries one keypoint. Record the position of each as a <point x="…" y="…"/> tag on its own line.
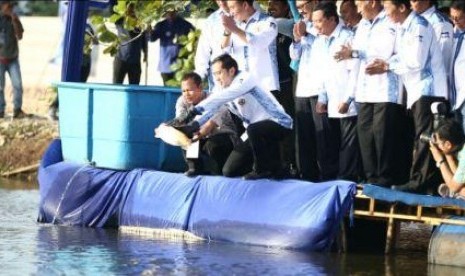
<point x="113" y="125"/>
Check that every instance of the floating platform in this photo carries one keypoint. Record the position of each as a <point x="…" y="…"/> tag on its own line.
<point x="287" y="214"/>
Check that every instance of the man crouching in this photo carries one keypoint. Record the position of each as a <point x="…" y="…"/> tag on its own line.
<point x="264" y="118"/>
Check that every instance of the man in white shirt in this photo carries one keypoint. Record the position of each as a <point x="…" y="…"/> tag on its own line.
<point x="336" y="99"/>
<point x="378" y="96"/>
<point x="317" y="158"/>
<point x="209" y="45"/>
<point x="250" y="38"/>
<point x="442" y="26"/>
<point x="420" y="65"/>
<point x="264" y="118"/>
<point x="457" y="84"/>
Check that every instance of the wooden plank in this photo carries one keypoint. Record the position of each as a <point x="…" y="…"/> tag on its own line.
<point x="390" y="231"/>
<point x="21" y="170"/>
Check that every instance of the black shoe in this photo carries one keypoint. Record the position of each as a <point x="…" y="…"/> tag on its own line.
<point x="408" y="188"/>
<point x="191" y="173"/>
<point x="255" y="175"/>
<point x="2" y="114"/>
<point x="20" y="114"/>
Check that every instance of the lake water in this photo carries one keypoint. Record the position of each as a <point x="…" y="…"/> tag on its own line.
<point x="30" y="248"/>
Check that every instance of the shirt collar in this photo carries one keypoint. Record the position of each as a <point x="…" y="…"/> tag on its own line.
<point x="408" y="20"/>
<point x="337" y="31"/>
<point x="255" y="17"/>
<point x="429" y="12"/>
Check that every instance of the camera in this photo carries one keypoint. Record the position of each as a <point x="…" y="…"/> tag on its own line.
<point x="440" y="111"/>
<point x="427" y="138"/>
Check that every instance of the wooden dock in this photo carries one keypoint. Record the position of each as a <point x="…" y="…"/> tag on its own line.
<point x="396" y="212"/>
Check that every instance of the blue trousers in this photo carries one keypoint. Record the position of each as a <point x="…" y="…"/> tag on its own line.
<point x="14" y="71"/>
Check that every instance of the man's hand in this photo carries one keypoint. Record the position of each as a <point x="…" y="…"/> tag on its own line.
<point x="344" y="53"/>
<point x="228" y="23"/>
<point x="343" y="108"/>
<point x="436" y="152"/>
<point x="321" y="108"/>
<point x="378" y="66"/>
<point x="299" y="30"/>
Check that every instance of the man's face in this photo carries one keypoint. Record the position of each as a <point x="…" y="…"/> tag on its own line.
<point x="191" y="92"/>
<point x="222" y="4"/>
<point x="349" y="14"/>
<point x="237" y="9"/>
<point x="305" y="9"/>
<point x="325" y="26"/>
<point x="278" y="9"/>
<point x="458" y="17"/>
<point x="420" y="6"/>
<point x="6" y="7"/>
<point x="222" y="76"/>
<point x="393" y="12"/>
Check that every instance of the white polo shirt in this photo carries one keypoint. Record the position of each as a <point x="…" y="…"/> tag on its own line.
<point x="374" y="40"/>
<point x="419" y="60"/>
<point x="245" y="99"/>
<point x="335" y="75"/>
<point x="209" y="45"/>
<point x="444" y="31"/>
<point x="259" y="54"/>
<point x="308" y="85"/>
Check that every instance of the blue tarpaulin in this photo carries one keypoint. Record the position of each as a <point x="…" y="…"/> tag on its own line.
<point x="288" y="213"/>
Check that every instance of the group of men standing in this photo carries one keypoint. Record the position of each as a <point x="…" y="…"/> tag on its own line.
<point x="364" y="85"/>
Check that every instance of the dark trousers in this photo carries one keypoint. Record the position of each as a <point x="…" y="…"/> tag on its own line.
<point x="423" y="174"/>
<point x="240" y="161"/>
<point x="316" y="153"/>
<point x="378" y="131"/>
<point x="122" y="68"/>
<point x="287" y="146"/>
<point x="214" y="152"/>
<point x="262" y="146"/>
<point x="265" y="137"/>
<point x="350" y="161"/>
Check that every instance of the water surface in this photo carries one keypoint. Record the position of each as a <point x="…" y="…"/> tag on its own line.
<point x="30" y="248"/>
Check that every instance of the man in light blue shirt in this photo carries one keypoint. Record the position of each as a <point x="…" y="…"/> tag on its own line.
<point x="420" y="65"/>
<point x="378" y="96"/>
<point x="209" y="45"/>
<point x="264" y="118"/>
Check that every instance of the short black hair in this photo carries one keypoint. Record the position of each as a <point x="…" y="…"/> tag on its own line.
<point x="452" y="131"/>
<point x="399" y="3"/>
<point x="192" y="76"/>
<point x="458" y="5"/>
<point x="328" y="8"/>
<point x="227" y="62"/>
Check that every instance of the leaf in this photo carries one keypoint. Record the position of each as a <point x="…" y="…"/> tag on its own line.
<point x="115" y="17"/>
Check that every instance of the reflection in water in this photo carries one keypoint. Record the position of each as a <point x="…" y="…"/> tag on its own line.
<point x="27" y="247"/>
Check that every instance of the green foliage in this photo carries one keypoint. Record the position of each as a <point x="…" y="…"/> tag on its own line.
<point x="145" y="14"/>
<point x="185" y="61"/>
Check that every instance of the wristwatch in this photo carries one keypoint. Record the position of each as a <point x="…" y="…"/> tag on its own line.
<point x="354" y="54"/>
<point x="226" y="33"/>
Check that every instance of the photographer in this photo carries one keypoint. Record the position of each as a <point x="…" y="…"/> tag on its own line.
<point x="446" y="146"/>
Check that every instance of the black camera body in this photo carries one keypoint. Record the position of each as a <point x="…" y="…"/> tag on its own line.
<point x="440" y="111"/>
